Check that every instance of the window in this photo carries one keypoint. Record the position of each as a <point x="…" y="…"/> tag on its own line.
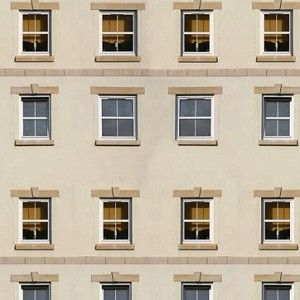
<point x="197" y="33"/>
<point x="118" y="33"/>
<point x="277" y="291"/>
<point x="35" y="117"/>
<point x="277" y="32"/>
<point x="117" y="119"/>
<point x="115" y="292"/>
<point x="278" y="220"/>
<point x="35" y="292"/>
<point x="196" y="291"/>
<point x="195" y="119"/>
<point x="277" y="117"/>
<point x="115" y="220"/>
<point x="35" y="32"/>
<point x="197" y="220"/>
<point x="35" y="221"/>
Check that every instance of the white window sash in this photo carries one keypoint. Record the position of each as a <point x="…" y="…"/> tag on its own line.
<point x="279" y="284"/>
<point x="33" y="285"/>
<point x="102" y="221"/>
<point x="21" y="118"/>
<point x="209" y="221"/>
<point x="101" y="293"/>
<point x="133" y="118"/>
<point x="211" y="293"/>
<point x="211" y="118"/>
<point x="263" y="33"/>
<point x="22" y="33"/>
<point x="22" y="221"/>
<point x="290" y="118"/>
<point x="210" y="33"/>
<point x="133" y="33"/>
<point x="290" y="221"/>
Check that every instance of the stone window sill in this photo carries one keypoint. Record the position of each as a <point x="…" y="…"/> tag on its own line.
<point x="281" y="246"/>
<point x="197" y="142"/>
<point x="131" y="143"/>
<point x="34" y="142"/>
<point x="114" y="246"/>
<point x="278" y="142"/>
<point x="34" y="58"/>
<point x="117" y="58"/>
<point x="197" y="247"/>
<point x="34" y="246"/>
<point x="275" y="58"/>
<point x="198" y="59"/>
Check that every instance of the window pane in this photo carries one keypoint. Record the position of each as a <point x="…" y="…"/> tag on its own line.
<point x="35" y="210"/>
<point x="270" y="294"/>
<point x="284" y="294"/>
<point x="109" y="210"/>
<point x="271" y="108"/>
<point x="196" y="210"/>
<point x="125" y="23"/>
<point x="42" y="293"/>
<point x="203" y="294"/>
<point x="109" y="231"/>
<point x="118" y="231"/>
<point x="110" y="42"/>
<point x="35" y="231"/>
<point x="28" y="128"/>
<point x="187" y="108"/>
<point x="42" y="108"/>
<point x="115" y="43"/>
<point x="122" y="293"/>
<point x="196" y="292"/>
<point x="28" y="23"/>
<point x="271" y="210"/>
<point x="42" y="23"/>
<point x="35" y="43"/>
<point x="41" y="127"/>
<point x="109" y="294"/>
<point x="196" y="43"/>
<point x="270" y="22"/>
<point x="271" y="128"/>
<point x="109" y="127"/>
<point x="203" y="108"/>
<point x="284" y="127"/>
<point x="125" y="128"/>
<point x="284" y="108"/>
<point x="283" y="210"/>
<point x="187" y="127"/>
<point x="196" y="23"/>
<point x="203" y="127"/>
<point x="277" y="43"/>
<point x="277" y="231"/>
<point x="28" y="109"/>
<point x="125" y="42"/>
<point x="109" y="23"/>
<point x="196" y="231"/>
<point x="283" y="23"/>
<point x="190" y="293"/>
<point x="121" y="210"/>
<point x="109" y="108"/>
<point x="125" y="108"/>
<point x="277" y="292"/>
<point x="41" y="210"/>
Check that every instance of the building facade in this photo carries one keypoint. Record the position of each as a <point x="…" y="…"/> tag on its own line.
<point x="150" y="150"/>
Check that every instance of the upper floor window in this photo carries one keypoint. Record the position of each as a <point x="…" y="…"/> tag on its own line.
<point x="195" y="117"/>
<point x="35" y="32"/>
<point x="277" y="291"/>
<point x="117" y="117"/>
<point x="35" y="117"/>
<point x="115" y="291"/>
<point x="118" y="33"/>
<point x="278" y="220"/>
<point x="197" y="32"/>
<point x="191" y="291"/>
<point x="277" y="117"/>
<point x="276" y="35"/>
<point x="38" y="291"/>
<point x="35" y="220"/>
<point x="115" y="220"/>
<point x="196" y="220"/>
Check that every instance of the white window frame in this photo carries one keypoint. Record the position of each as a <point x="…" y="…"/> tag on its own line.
<point x="278" y="284"/>
<point x="33" y="284"/>
<point x="134" y="33"/>
<point x="101" y="294"/>
<point x="134" y="118"/>
<point x="210" y="33"/>
<point x="21" y="221"/>
<point x="211" y="293"/>
<point x="101" y="220"/>
<point x="210" y="221"/>
<point x="291" y="118"/>
<point x="21" y="32"/>
<point x="262" y="32"/>
<point x="291" y="221"/>
<point x="212" y="117"/>
<point x="21" y="118"/>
